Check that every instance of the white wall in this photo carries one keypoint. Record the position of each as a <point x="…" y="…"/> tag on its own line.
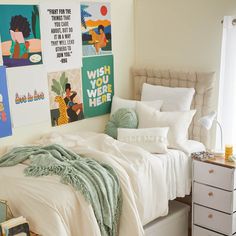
<point x="182" y="34"/>
<point x="123" y="50"/>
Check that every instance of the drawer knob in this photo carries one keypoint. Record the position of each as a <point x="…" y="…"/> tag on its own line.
<point x="210" y="194"/>
<point x="211" y="171"/>
<point x="210" y="216"/>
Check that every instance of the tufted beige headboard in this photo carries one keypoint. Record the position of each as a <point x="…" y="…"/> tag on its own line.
<point x="203" y="83"/>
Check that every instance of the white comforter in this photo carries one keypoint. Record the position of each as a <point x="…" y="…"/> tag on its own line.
<point x="56" y="209"/>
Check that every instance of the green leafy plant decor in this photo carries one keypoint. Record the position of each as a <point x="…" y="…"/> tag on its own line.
<point x="59" y="87"/>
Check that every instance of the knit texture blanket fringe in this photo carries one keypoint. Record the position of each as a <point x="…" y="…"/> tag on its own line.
<point x="97" y="182"/>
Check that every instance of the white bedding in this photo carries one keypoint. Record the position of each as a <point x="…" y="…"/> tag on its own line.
<point x="177" y="168"/>
<point x="147" y="182"/>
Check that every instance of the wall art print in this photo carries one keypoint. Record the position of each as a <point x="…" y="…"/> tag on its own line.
<point x="98" y="85"/>
<point x="28" y="95"/>
<point x="5" y="117"/>
<point x="61" y="41"/>
<point x="65" y="95"/>
<point x="96" y="28"/>
<point x="20" y="35"/>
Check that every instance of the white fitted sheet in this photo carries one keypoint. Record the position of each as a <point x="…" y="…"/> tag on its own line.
<point x="177" y="167"/>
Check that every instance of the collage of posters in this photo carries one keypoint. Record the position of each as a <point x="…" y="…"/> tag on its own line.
<point x="63" y="73"/>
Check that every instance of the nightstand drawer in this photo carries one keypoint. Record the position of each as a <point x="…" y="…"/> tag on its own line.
<point x="215" y="220"/>
<point x="213" y="175"/>
<point x="198" y="231"/>
<point x="214" y="198"/>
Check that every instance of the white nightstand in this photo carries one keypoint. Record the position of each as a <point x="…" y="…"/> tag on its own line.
<point x="214" y="198"/>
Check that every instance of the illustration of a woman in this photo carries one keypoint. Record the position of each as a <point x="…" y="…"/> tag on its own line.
<point x="73" y="109"/>
<point x="19" y="30"/>
<point x="99" y="40"/>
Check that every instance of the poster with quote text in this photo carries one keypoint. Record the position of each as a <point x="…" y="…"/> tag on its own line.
<point x="28" y="95"/>
<point x="98" y="85"/>
<point x="5" y="117"/>
<point x="61" y="36"/>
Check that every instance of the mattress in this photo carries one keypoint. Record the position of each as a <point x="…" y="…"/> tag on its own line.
<point x="56" y="209"/>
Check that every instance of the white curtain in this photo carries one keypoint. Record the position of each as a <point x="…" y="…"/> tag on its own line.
<point x="227" y="89"/>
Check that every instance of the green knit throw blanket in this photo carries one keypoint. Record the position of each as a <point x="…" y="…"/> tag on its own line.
<point x="98" y="183"/>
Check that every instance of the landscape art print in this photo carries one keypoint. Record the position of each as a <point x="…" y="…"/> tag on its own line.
<point x="98" y="85"/>
<point x="65" y="95"/>
<point x="5" y="118"/>
<point x="20" y="35"/>
<point x="96" y="28"/>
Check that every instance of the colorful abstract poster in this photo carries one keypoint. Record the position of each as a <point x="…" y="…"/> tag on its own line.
<point x="28" y="93"/>
<point x="96" y="28"/>
<point x="61" y="44"/>
<point x="98" y="85"/>
<point x="20" y="35"/>
<point x="65" y="94"/>
<point x="5" y="118"/>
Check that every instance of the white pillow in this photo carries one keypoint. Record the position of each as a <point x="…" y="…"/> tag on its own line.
<point x="174" y="99"/>
<point x="153" y="140"/>
<point x="178" y="122"/>
<point x="118" y="103"/>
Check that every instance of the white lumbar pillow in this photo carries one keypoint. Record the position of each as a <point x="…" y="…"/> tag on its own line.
<point x="178" y="123"/>
<point x="153" y="140"/>
<point x="174" y="99"/>
<point x="118" y="103"/>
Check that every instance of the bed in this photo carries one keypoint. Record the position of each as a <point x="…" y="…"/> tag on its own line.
<point x="148" y="181"/>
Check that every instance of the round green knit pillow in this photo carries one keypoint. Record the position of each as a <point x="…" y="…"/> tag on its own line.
<point x="122" y="118"/>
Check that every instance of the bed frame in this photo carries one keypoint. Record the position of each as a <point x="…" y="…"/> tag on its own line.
<point x="202" y="82"/>
<point x="174" y="224"/>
